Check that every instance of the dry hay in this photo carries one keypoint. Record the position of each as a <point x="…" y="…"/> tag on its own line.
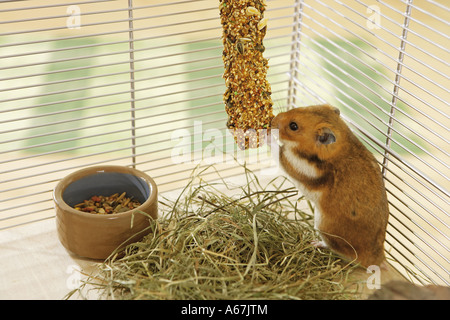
<point x="255" y="244"/>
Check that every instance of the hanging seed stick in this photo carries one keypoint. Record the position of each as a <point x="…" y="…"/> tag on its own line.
<point x="247" y="98"/>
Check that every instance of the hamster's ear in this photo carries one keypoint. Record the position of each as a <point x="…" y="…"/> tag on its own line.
<point x="325" y="136"/>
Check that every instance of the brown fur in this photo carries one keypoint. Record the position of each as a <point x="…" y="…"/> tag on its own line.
<point x="348" y="185"/>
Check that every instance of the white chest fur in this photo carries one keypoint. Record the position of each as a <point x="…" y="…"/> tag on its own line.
<point x="309" y="170"/>
<point x="301" y="165"/>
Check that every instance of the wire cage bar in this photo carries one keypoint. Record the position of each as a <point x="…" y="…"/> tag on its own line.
<point x="121" y="82"/>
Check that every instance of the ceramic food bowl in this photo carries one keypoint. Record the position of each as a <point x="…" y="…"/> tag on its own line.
<point x="96" y="236"/>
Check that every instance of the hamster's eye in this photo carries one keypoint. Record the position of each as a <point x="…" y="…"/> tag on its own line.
<point x="293" y="126"/>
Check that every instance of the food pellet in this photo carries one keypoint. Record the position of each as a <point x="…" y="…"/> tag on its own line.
<point x="115" y="203"/>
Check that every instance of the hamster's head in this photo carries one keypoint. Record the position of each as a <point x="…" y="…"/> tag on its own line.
<point x="315" y="131"/>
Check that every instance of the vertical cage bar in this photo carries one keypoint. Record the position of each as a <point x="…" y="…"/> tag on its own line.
<point x="398" y="76"/>
<point x="132" y="86"/>
<point x="295" y="53"/>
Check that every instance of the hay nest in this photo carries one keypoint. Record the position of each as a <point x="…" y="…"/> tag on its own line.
<point x="255" y="244"/>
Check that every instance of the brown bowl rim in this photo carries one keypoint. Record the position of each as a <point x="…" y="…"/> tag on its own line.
<point x="67" y="180"/>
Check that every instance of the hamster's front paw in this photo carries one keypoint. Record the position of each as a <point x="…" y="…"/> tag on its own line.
<point x="319" y="244"/>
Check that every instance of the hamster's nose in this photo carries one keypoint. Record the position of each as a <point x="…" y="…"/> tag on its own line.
<point x="275" y="122"/>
